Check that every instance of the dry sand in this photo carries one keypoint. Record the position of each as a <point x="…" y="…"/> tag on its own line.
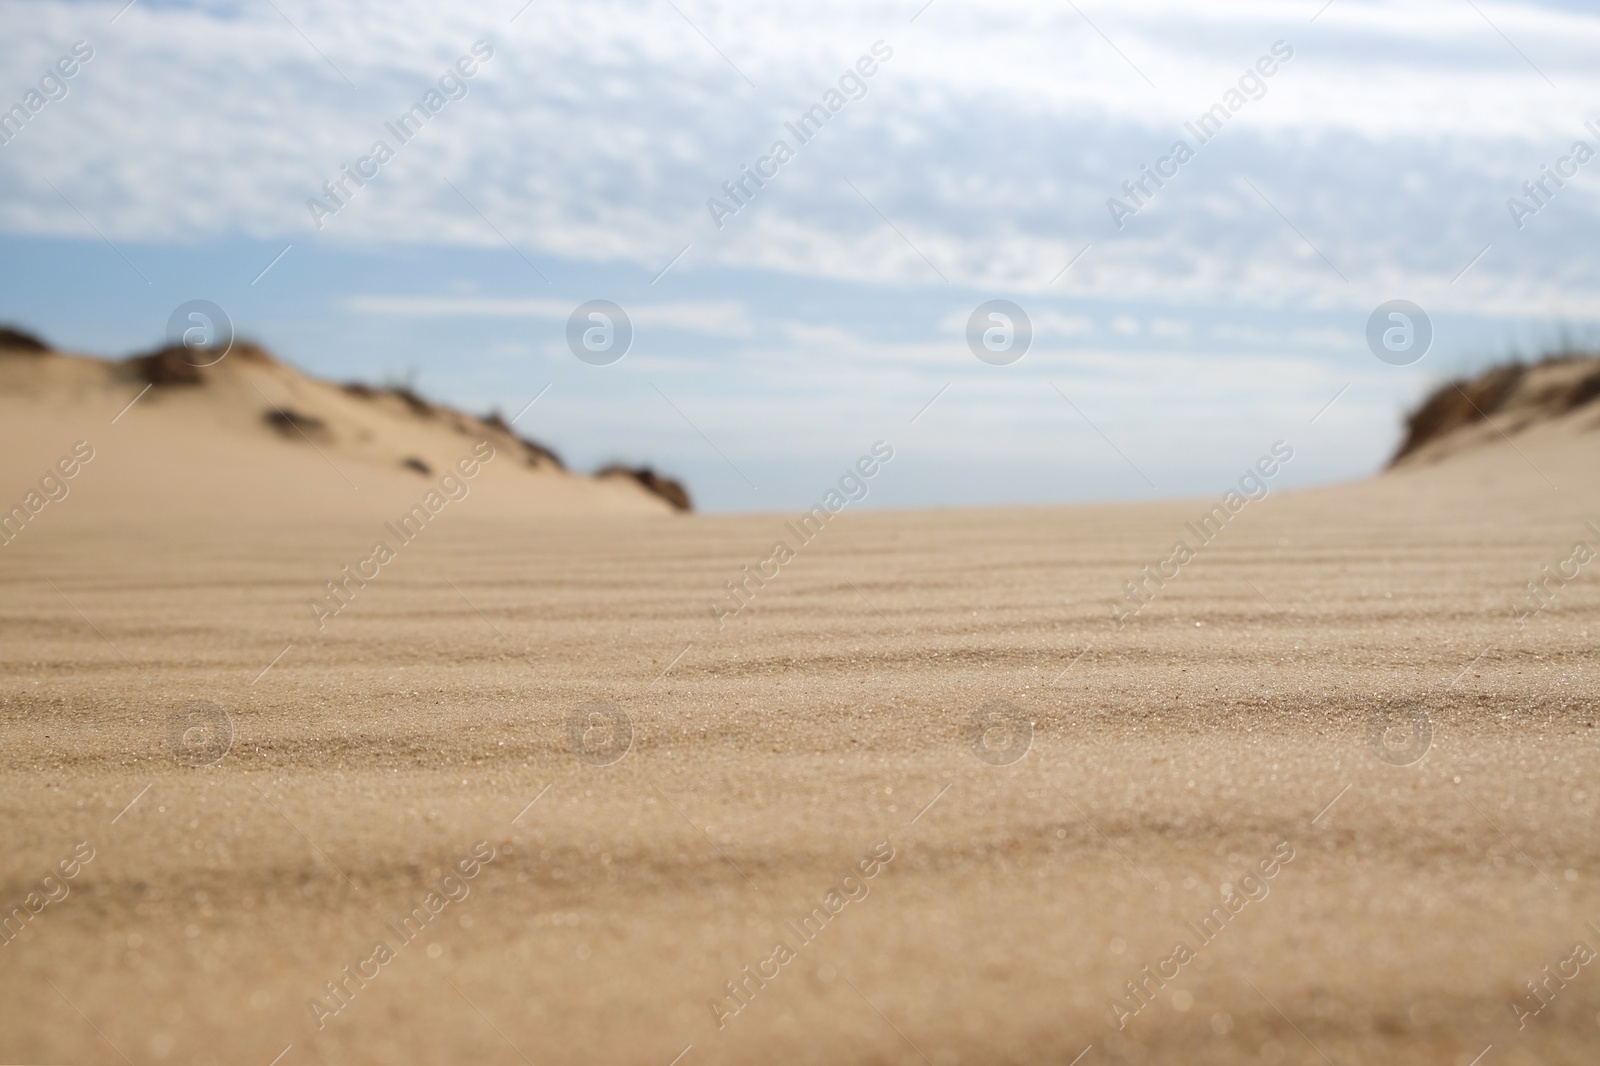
<point x="1168" y="758"/>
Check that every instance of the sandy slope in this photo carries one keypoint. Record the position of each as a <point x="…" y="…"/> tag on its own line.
<point x="193" y="451"/>
<point x="1172" y="757"/>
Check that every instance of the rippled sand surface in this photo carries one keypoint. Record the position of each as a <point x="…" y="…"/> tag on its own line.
<point x="464" y="711"/>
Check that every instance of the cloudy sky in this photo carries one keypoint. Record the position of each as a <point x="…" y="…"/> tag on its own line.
<point x="1173" y="342"/>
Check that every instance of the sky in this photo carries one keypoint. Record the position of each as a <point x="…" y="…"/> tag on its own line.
<point x="1177" y="331"/>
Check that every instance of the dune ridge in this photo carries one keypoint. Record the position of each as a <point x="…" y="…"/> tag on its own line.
<point x="253" y="430"/>
<point x="1555" y="393"/>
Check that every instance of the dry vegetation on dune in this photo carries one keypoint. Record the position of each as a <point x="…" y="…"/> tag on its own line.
<point x="16" y="340"/>
<point x="1507" y="398"/>
<point x="374" y="422"/>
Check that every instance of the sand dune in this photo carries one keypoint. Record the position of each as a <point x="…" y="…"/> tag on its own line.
<point x="649" y="805"/>
<point x="1551" y="398"/>
<point x="248" y="435"/>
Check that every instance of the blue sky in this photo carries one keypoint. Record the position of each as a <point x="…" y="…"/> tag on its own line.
<point x="1375" y="163"/>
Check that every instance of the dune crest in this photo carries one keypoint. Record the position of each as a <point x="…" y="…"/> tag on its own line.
<point x="241" y="432"/>
<point x="1554" y="396"/>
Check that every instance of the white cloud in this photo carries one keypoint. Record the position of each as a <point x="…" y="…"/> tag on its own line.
<point x="990" y="140"/>
<point x="723" y="318"/>
<point x="459" y="307"/>
<point x="1046" y="323"/>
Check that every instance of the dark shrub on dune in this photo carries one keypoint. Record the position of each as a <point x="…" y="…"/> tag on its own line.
<point x="535" y="452"/>
<point x="292" y="423"/>
<point x="17" y="341"/>
<point x="1458" y="403"/>
<point x="1523" y="394"/>
<point x="167" y="366"/>
<point x="667" y="488"/>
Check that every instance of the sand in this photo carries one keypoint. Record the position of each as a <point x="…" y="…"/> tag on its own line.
<point x="1222" y="731"/>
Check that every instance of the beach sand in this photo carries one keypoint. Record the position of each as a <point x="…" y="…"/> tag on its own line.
<point x="1224" y="727"/>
